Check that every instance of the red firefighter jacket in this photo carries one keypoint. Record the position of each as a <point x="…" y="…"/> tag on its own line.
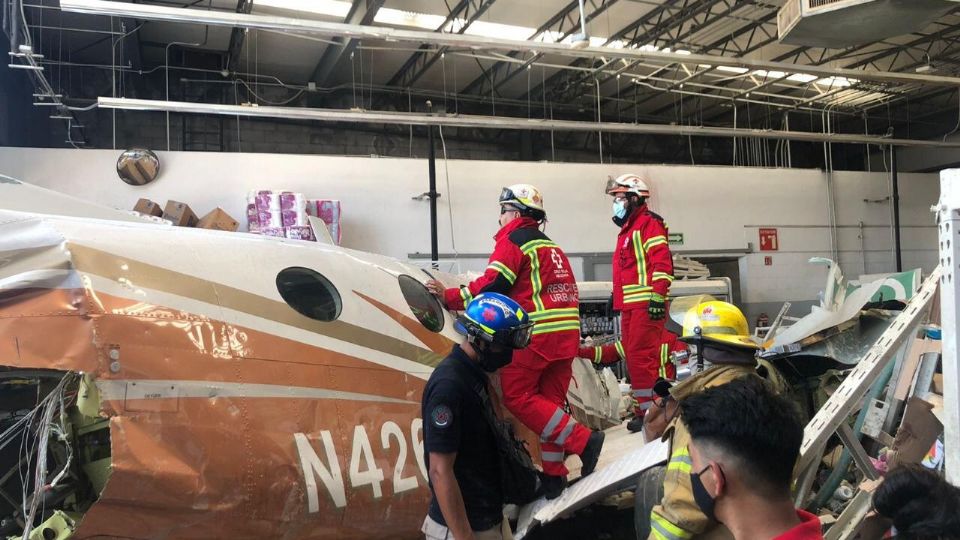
<point x="532" y="270"/>
<point x="642" y="264"/>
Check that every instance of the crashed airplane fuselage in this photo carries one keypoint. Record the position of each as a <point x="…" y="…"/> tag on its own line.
<point x="217" y="384"/>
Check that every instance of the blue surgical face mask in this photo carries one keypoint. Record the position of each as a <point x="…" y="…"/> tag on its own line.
<point x="619" y="208"/>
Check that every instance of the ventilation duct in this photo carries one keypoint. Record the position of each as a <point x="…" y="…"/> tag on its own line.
<point x="842" y="23"/>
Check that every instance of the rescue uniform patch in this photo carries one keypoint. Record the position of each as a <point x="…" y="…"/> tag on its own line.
<point x="441" y="416"/>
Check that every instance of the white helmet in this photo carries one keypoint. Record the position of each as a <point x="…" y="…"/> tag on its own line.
<point x="628" y="183"/>
<point x="523" y="196"/>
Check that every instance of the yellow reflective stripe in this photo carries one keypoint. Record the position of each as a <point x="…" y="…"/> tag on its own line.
<point x="467" y="297"/>
<point x="662" y="275"/>
<point x="547" y="328"/>
<point x="681" y="466"/>
<point x="620" y="352"/>
<point x="636" y="288"/>
<point x="559" y="313"/>
<point x="658" y="535"/>
<point x="655" y="241"/>
<point x="504" y="271"/>
<point x="680" y="460"/>
<point x="597" y="355"/>
<point x="666" y="530"/>
<point x="536" y="244"/>
<point x="641" y="259"/>
<point x="634" y="298"/>
<point x="535" y="282"/>
<point x="664" y="359"/>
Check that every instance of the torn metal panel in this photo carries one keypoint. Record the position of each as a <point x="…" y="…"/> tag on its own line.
<point x="842" y="302"/>
<point x="603" y="482"/>
<point x="22" y="197"/>
<point x="848" y="396"/>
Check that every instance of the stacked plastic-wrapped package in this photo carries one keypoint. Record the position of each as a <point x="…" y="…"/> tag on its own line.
<point x="279" y="213"/>
<point x="329" y="212"/>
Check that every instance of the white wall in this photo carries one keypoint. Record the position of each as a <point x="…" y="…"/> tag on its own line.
<point x="716" y="208"/>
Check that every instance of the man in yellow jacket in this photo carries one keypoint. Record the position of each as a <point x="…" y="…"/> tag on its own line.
<point x="719" y="332"/>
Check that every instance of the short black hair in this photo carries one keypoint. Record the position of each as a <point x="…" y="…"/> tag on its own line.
<point x="922" y="505"/>
<point x="747" y="421"/>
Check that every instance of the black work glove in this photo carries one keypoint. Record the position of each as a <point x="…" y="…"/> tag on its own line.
<point x="657" y="307"/>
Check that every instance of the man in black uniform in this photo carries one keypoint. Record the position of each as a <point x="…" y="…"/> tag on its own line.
<point x="460" y="448"/>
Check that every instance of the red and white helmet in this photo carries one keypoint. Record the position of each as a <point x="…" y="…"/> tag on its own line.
<point x="628" y="183"/>
<point x="523" y="196"/>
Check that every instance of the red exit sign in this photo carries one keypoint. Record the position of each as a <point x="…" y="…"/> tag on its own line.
<point x="769" y="240"/>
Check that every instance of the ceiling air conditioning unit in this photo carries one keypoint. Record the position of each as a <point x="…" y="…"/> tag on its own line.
<point x="842" y="23"/>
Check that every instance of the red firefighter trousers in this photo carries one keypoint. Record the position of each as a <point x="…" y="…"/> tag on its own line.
<point x="641" y="339"/>
<point x="534" y="391"/>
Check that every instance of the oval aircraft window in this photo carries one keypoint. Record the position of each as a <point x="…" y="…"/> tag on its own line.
<point x="308" y="292"/>
<point x="425" y="306"/>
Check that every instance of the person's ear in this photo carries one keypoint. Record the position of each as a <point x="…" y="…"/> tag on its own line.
<point x="719" y="480"/>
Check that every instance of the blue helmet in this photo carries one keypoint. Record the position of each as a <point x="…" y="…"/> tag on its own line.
<point x="496" y="318"/>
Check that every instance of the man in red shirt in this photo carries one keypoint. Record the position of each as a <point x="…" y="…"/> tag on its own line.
<point x="744" y="442"/>
<point x="532" y="270"/>
<point x="642" y="274"/>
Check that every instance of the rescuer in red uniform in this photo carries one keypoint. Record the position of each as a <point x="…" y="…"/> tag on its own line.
<point x="642" y="274"/>
<point x="611" y="353"/>
<point x="532" y="270"/>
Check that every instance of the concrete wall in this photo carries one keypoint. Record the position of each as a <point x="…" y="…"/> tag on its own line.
<point x="716" y="208"/>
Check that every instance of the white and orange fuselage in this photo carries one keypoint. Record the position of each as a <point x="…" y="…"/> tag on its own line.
<point x="231" y="415"/>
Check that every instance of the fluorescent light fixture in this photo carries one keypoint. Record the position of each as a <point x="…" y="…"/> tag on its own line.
<point x="398" y="17"/>
<point x="331" y="8"/>
<point x="306" y="26"/>
<point x="801" y="77"/>
<point x="496" y="122"/>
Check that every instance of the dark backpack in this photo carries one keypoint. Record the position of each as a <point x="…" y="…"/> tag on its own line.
<point x="519" y="479"/>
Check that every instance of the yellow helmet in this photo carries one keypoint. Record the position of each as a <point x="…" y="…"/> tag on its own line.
<point x="717" y="321"/>
<point x="523" y="196"/>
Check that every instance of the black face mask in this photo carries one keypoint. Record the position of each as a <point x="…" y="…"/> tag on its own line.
<point x="491" y="361"/>
<point x="701" y="496"/>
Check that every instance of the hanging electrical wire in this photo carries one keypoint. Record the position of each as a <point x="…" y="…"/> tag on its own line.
<point x="446" y="173"/>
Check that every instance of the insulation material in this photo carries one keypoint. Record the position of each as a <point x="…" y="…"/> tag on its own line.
<point x="594" y="396"/>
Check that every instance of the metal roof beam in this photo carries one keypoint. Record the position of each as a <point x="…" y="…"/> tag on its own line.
<point x="237" y="36"/>
<point x="749" y="30"/>
<point x="361" y="12"/>
<point x="565" y="22"/>
<point x="494" y="122"/>
<point x="942" y="34"/>
<point x="654" y="16"/>
<point x="307" y="26"/>
<point x="422" y="60"/>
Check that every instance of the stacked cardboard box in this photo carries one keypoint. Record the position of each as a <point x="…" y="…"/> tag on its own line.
<point x="279" y="213"/>
<point x="218" y="220"/>
<point x="181" y="215"/>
